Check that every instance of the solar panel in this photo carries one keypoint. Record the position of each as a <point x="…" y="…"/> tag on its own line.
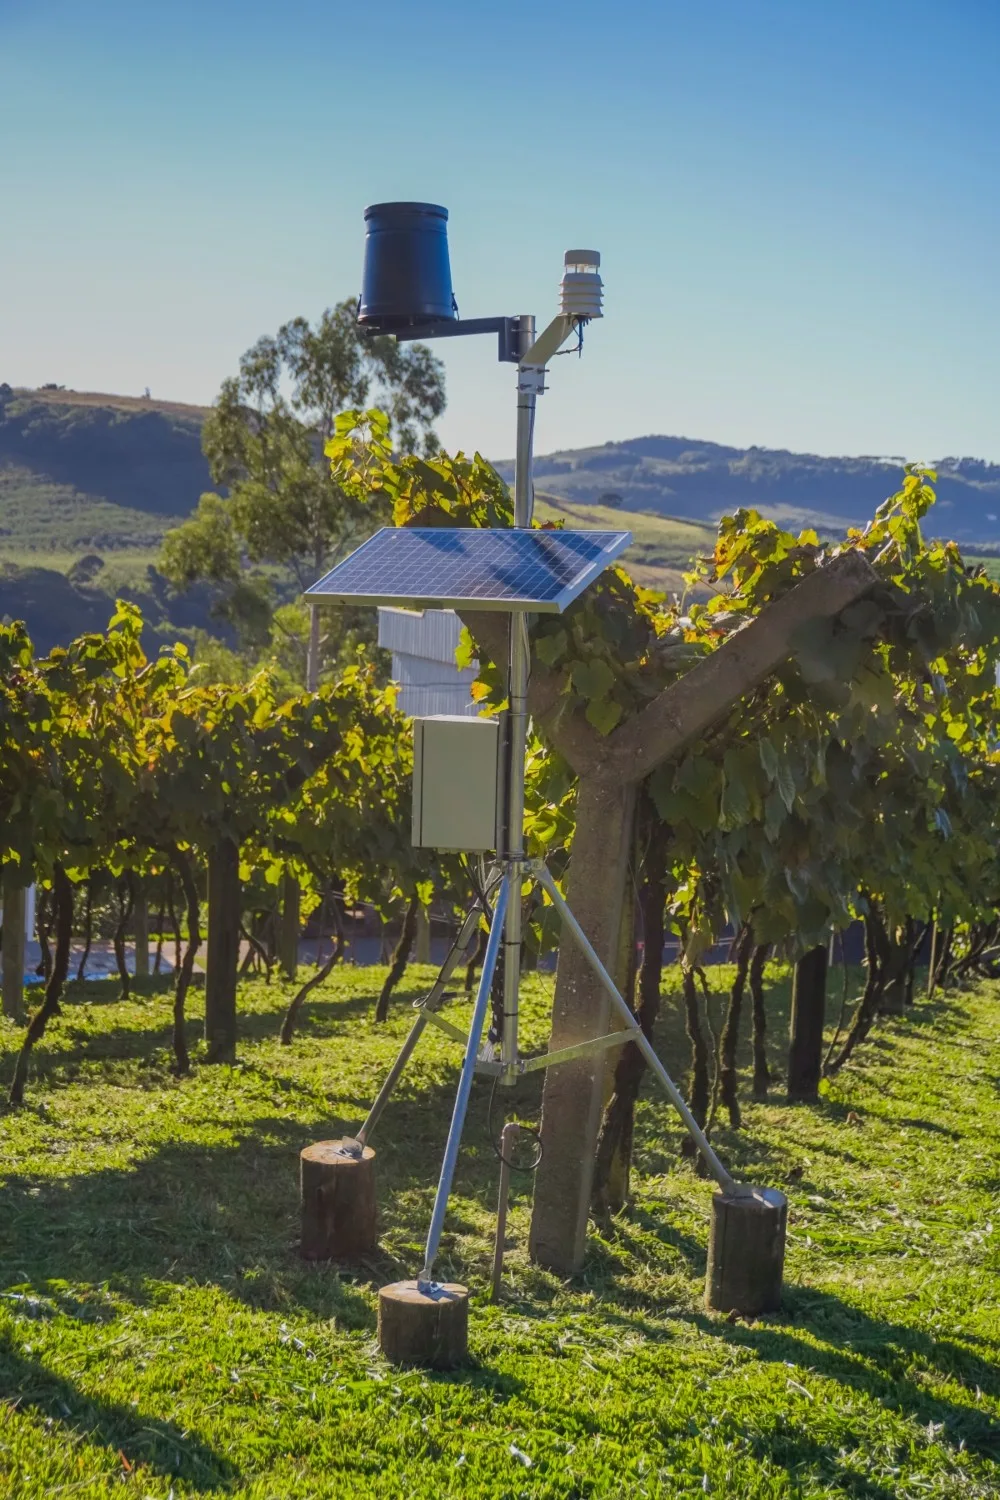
<point x="443" y="567"/>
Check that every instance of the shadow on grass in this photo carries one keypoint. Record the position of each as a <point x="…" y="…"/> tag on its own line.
<point x="802" y="1455"/>
<point x="874" y="1356"/>
<point x="228" y="1213"/>
<point x="97" y="992"/>
<point x="225" y="1215"/>
<point x="627" y="1232"/>
<point x="880" y="1359"/>
<point x="68" y="1047"/>
<point x="144" y="1439"/>
<point x="222" y="1216"/>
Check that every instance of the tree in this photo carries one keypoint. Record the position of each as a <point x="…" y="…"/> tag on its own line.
<point x="69" y="745"/>
<point x="264" y="443"/>
<point x="346" y="833"/>
<point x="815" y="742"/>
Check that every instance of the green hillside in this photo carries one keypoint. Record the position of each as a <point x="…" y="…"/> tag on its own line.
<point x="88" y="487"/>
<point x="95" y="473"/>
<point x="662" y="546"/>
<point x="38" y="514"/>
<point x="101" y="478"/>
<point x="702" y="481"/>
<point x="89" y="452"/>
<point x="89" y="484"/>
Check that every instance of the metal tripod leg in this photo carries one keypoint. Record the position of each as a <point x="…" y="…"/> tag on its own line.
<point x="636" y="1033"/>
<point x="464" y="1086"/>
<point x="429" y="1003"/>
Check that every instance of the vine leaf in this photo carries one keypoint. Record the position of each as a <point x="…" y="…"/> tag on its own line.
<point x="604" y="714"/>
<point x="734" y="809"/>
<point x="594" y="679"/>
<point x="549" y="648"/>
<point x="769" y="759"/>
<point x="786" y="784"/>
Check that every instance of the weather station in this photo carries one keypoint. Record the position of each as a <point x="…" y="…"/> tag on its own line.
<point x="469" y="773"/>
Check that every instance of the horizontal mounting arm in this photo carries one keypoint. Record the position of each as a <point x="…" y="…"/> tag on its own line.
<point x="549" y="341"/>
<point x="506" y="329"/>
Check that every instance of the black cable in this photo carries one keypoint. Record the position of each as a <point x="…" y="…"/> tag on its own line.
<point x="478" y="889"/>
<point x="578" y="346"/>
<point x="497" y="997"/>
<point x="495" y="1140"/>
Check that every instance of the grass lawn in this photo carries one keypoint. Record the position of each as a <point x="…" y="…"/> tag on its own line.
<point x="159" y="1335"/>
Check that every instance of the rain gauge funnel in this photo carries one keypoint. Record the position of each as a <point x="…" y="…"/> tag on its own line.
<point x="407" y="275"/>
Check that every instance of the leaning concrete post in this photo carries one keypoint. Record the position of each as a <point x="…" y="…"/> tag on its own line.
<point x="289" y="923"/>
<point x="12" y="953"/>
<point x="573" y="1096"/>
<point x="140" y="927"/>
<point x="805" y="1030"/>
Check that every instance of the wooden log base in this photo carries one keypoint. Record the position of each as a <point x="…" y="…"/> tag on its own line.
<point x="428" y="1328"/>
<point x="339" y="1216"/>
<point x="746" y="1252"/>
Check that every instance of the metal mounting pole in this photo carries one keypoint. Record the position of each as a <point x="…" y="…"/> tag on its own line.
<point x="464" y="1088"/>
<point x="527" y="389"/>
<point x="519" y="668"/>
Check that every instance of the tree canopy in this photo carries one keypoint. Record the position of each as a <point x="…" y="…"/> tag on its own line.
<point x="284" y="512"/>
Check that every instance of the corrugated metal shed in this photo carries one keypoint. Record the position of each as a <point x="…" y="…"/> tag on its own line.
<point x="423" y="645"/>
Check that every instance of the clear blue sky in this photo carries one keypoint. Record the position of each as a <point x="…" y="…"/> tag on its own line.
<point x="798" y="204"/>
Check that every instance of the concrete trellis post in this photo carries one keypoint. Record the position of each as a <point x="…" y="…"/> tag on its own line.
<point x="12" y="956"/>
<point x="610" y="769"/>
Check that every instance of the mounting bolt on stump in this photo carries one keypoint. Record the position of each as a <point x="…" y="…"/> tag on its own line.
<point x="424" y="1324"/>
<point x="337" y="1181"/>
<point x="746" y="1251"/>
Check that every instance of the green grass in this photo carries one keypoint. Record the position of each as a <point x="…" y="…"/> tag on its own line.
<point x="160" y="1336"/>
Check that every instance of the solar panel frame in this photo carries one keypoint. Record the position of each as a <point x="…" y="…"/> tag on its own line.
<point x="511" y="563"/>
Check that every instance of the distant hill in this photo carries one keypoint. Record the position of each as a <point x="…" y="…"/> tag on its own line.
<point x="662" y="546"/>
<point x="703" y="481"/>
<point x="99" y="479"/>
<point x="90" y="482"/>
<point x="80" y="470"/>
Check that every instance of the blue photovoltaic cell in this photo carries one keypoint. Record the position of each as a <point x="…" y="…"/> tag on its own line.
<point x="441" y="567"/>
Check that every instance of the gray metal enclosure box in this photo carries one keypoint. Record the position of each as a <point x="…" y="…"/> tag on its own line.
<point x="455" y="783"/>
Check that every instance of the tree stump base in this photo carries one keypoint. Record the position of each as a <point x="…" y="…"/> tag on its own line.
<point x="746" y="1251"/>
<point x="424" y="1327"/>
<point x="338" y="1200"/>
